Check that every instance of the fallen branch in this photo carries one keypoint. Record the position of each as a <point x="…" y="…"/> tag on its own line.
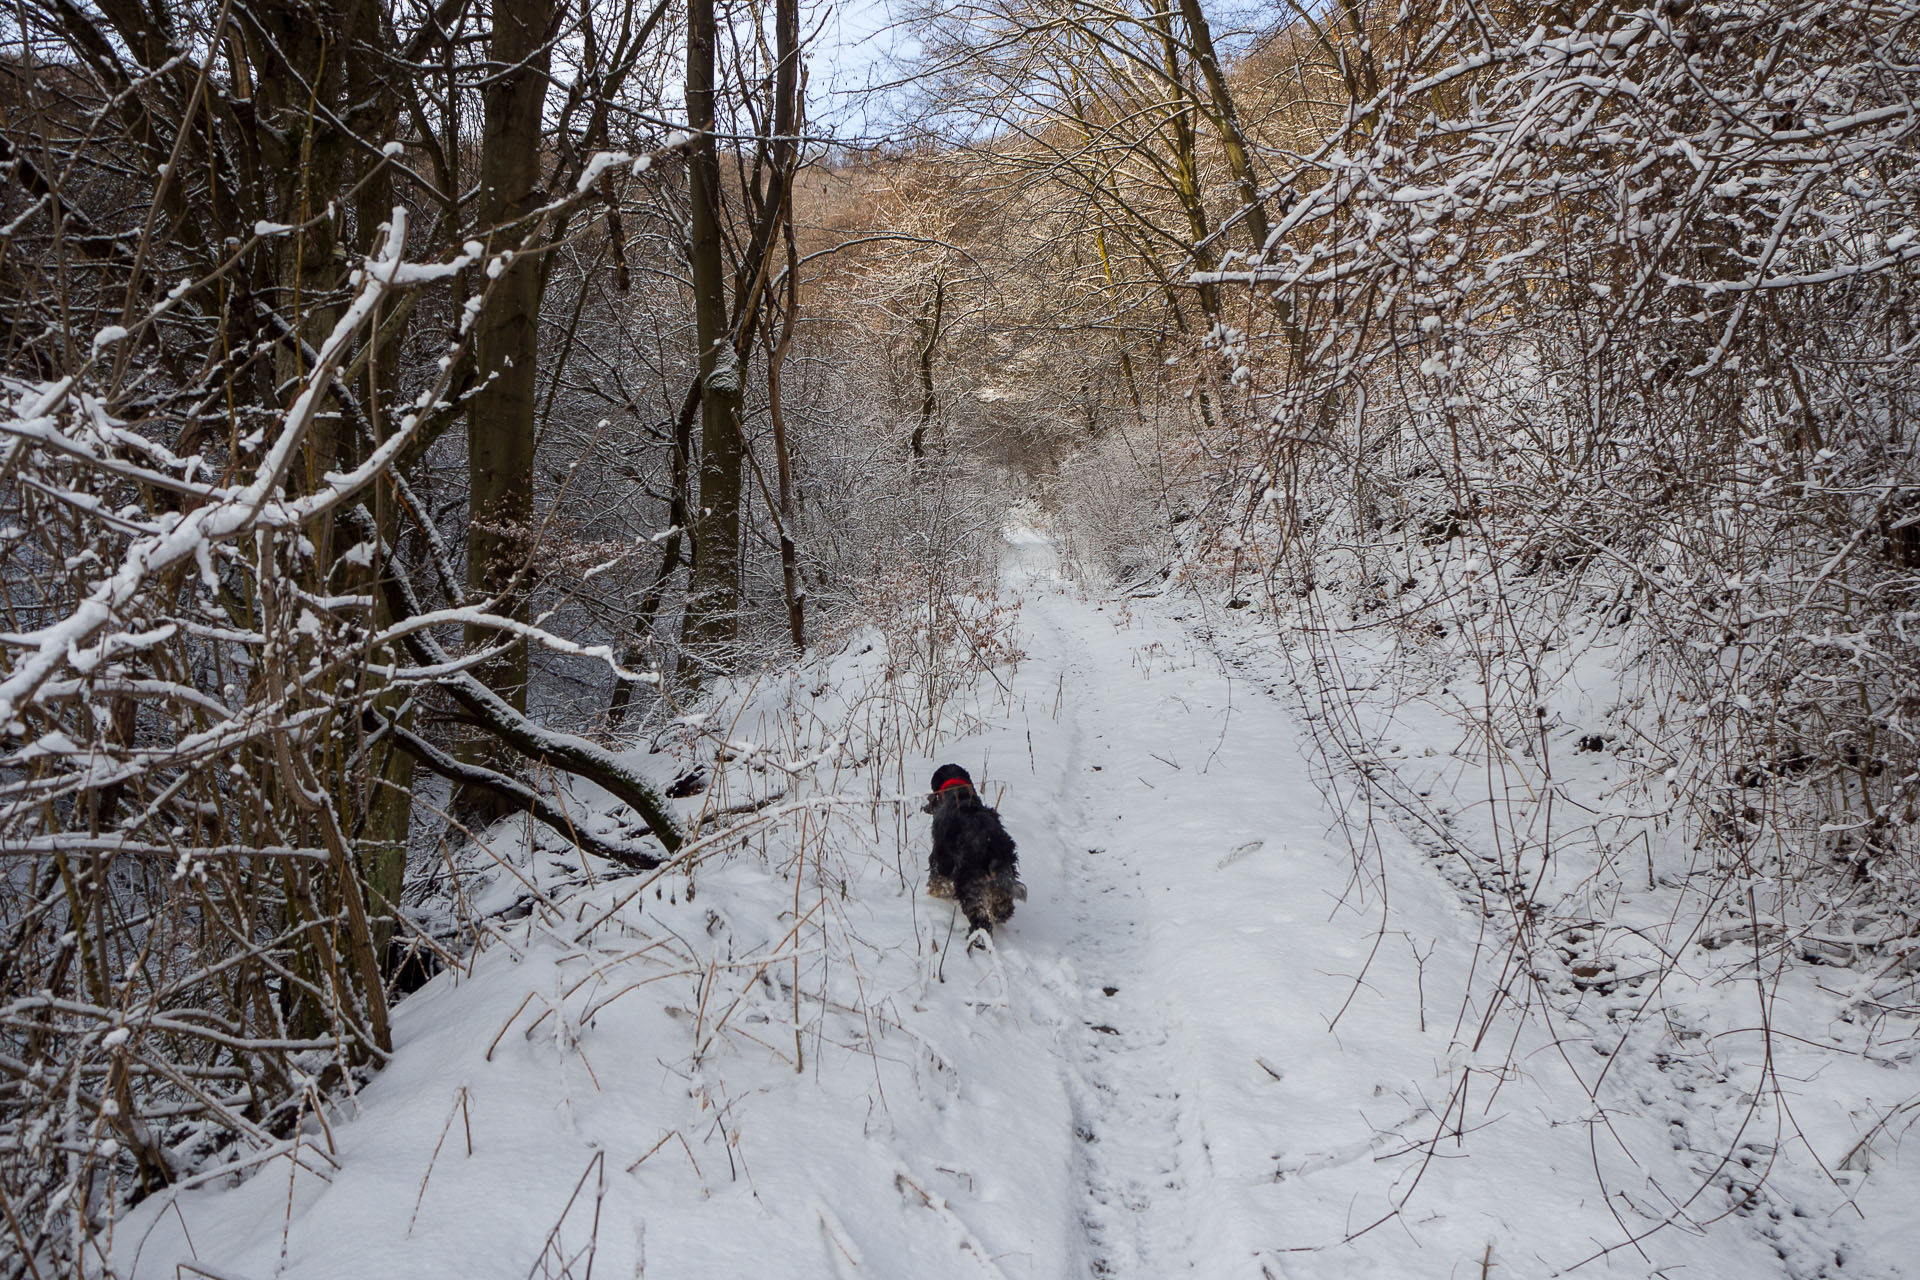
<point x="531" y="739"/>
<point x="520" y="795"/>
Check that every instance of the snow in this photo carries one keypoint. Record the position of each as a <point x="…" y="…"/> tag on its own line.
<point x="1219" y="1039"/>
<point x="597" y="165"/>
<point x="175" y="537"/>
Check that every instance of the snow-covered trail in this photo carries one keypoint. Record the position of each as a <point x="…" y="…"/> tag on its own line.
<point x="1214" y="926"/>
<point x="1117" y="1058"/>
<point x="1217" y="1041"/>
<point x="1283" y="1062"/>
<point x="1121" y="1057"/>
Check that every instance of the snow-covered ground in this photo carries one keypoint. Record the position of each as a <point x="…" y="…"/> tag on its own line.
<point x="1219" y="1039"/>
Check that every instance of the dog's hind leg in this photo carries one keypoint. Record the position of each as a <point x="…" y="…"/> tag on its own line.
<point x="981" y="900"/>
<point x="989" y="900"/>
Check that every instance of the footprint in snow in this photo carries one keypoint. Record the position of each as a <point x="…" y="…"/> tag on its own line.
<point x="1241" y="851"/>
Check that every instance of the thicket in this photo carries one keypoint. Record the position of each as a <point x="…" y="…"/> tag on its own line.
<point x="1514" y="317"/>
<point x="1619" y="308"/>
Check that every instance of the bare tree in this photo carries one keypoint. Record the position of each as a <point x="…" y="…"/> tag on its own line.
<point x="730" y="311"/>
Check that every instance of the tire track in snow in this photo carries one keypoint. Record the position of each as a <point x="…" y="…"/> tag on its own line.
<point x="1125" y="1112"/>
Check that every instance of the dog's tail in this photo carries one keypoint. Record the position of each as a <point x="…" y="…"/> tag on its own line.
<point x="989" y="900"/>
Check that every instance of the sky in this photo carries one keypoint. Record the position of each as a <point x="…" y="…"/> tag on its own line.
<point x="859" y="47"/>
<point x="854" y="54"/>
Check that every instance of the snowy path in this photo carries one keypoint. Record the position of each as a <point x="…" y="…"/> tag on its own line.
<point x="1216" y="1041"/>
<point x="1125" y="1108"/>
<point x="1126" y="1115"/>
<point x="1204" y="892"/>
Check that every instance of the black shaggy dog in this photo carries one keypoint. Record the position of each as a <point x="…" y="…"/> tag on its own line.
<point x="973" y="856"/>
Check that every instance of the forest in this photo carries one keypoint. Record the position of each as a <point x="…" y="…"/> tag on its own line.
<point x="422" y="423"/>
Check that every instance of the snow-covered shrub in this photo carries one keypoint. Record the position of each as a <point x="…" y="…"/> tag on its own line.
<point x="191" y="948"/>
<point x="877" y="520"/>
<point x="1591" y="323"/>
<point x="209" y="713"/>
<point x="1115" y="501"/>
<point x="1579" y="370"/>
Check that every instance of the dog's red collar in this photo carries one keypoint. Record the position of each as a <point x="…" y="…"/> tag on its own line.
<point x="953" y="782"/>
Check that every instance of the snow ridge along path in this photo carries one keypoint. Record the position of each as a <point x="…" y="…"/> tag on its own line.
<point x="1216" y="1041"/>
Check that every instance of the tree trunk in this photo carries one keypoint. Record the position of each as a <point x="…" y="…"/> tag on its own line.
<point x="929" y="326"/>
<point x="712" y="620"/>
<point x="783" y="459"/>
<point x="387" y="789"/>
<point x="786" y="128"/>
<point x="671" y="558"/>
<point x="1226" y="121"/>
<point x="507" y="349"/>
